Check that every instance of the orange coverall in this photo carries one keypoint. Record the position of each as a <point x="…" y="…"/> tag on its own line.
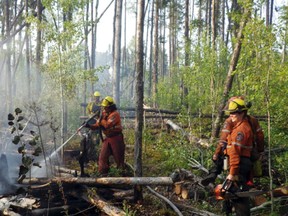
<point x="113" y="144"/>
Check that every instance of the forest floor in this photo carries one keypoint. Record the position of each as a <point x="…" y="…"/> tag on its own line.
<point x="164" y="154"/>
<point x="154" y="165"/>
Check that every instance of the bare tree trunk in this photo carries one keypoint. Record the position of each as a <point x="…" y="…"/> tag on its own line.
<point x="271" y="12"/>
<point x="200" y="18"/>
<point x="9" y="97"/>
<point x="163" y="44"/>
<point x="267" y="12"/>
<point x="187" y="52"/>
<point x="284" y="47"/>
<point x="213" y="23"/>
<point x="117" y="53"/>
<point x="39" y="49"/>
<point x="230" y="75"/>
<point x="151" y="49"/>
<point x="28" y="66"/>
<point x="223" y="20"/>
<point x="139" y="98"/>
<point x="155" y="54"/>
<point x="148" y="7"/>
<point x="124" y="56"/>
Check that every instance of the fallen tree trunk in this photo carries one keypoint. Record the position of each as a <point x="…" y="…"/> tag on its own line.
<point x="191" y="138"/>
<point x="103" y="181"/>
<point x="102" y="205"/>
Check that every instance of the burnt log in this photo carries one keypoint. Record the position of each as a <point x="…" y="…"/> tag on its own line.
<point x="103" y="181"/>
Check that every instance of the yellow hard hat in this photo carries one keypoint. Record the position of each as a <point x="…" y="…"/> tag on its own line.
<point x="107" y="101"/>
<point x="97" y="94"/>
<point x="236" y="105"/>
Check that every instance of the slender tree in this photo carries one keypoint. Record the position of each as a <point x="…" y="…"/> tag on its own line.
<point x="117" y="52"/>
<point x="139" y="97"/>
<point x="155" y="53"/>
<point x="39" y="50"/>
<point x="233" y="63"/>
<point x="28" y="67"/>
<point x="151" y="49"/>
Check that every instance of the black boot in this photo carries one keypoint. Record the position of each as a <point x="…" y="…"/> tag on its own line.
<point x="209" y="178"/>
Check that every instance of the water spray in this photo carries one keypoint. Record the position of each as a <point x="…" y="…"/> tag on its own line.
<point x="60" y="147"/>
<point x="83" y="125"/>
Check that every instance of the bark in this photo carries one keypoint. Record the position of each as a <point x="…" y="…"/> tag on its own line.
<point x="103" y="205"/>
<point x="28" y="66"/>
<point x="49" y="211"/>
<point x="104" y="181"/>
<point x="200" y="18"/>
<point x="230" y="74"/>
<point x="117" y="53"/>
<point x="39" y="48"/>
<point x="192" y="139"/>
<point x="151" y="48"/>
<point x="271" y="12"/>
<point x="267" y="12"/>
<point x="187" y="52"/>
<point x="9" y="97"/>
<point x="139" y="97"/>
<point x="213" y="23"/>
<point x="155" y="53"/>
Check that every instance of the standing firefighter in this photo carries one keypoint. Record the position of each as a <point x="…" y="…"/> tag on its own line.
<point x="218" y="156"/>
<point x="91" y="139"/>
<point x="94" y="106"/>
<point x="238" y="152"/>
<point x="113" y="144"/>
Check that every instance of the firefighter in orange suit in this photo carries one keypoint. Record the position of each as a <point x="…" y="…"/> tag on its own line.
<point x="240" y="144"/>
<point x="218" y="155"/>
<point x="113" y="144"/>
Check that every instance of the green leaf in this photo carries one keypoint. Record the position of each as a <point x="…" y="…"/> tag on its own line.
<point x="13" y="130"/>
<point x="20" y="118"/>
<point x="37" y="151"/>
<point x="20" y="127"/>
<point x="27" y="161"/>
<point x="10" y="117"/>
<point x="23" y="170"/>
<point x="37" y="164"/>
<point x="18" y="110"/>
<point x="16" y="140"/>
<point x="32" y="142"/>
<point x="21" y="149"/>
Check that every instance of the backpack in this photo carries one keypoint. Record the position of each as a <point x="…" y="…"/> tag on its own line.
<point x="255" y="155"/>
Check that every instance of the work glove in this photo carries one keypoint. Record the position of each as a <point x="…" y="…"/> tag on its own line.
<point x="85" y="124"/>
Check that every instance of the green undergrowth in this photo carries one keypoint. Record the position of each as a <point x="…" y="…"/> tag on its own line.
<point x="162" y="152"/>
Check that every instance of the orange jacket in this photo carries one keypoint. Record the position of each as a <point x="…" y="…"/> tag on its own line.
<point x="240" y="143"/>
<point x="110" y="123"/>
<point x="227" y="128"/>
